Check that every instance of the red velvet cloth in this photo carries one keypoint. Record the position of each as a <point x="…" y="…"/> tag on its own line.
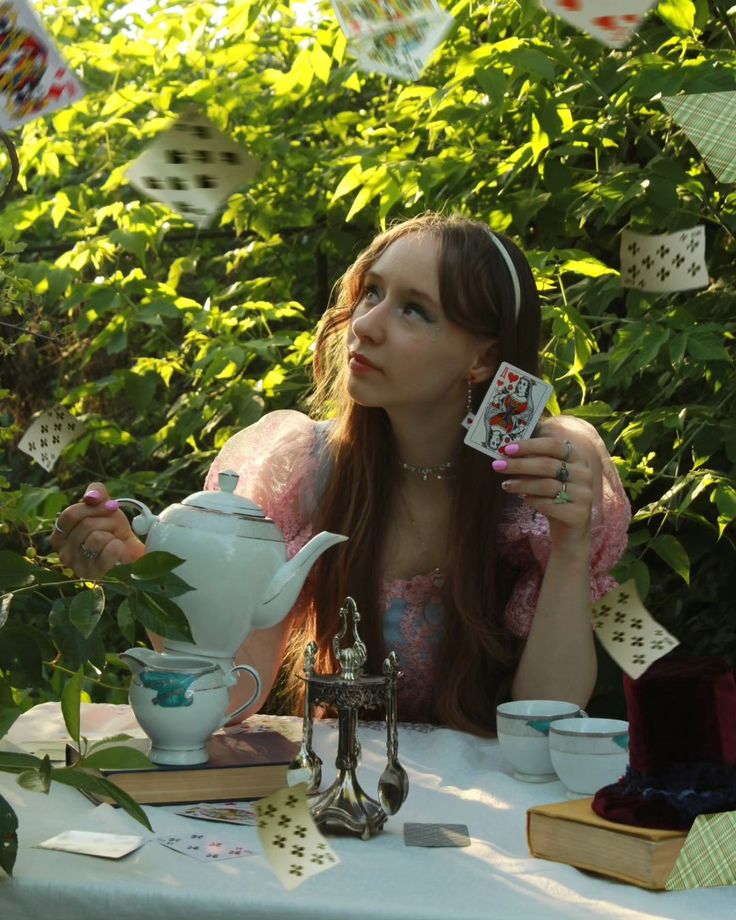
<point x="682" y="745"/>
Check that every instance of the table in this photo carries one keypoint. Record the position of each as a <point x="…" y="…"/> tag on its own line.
<point x="454" y="777"/>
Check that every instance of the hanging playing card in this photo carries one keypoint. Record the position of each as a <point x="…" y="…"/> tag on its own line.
<point x="628" y="632"/>
<point x="664" y="262"/>
<point x="611" y="23"/>
<point x="48" y="434"/>
<point x="193" y="168"/>
<point x="510" y="410"/>
<point x="395" y="37"/>
<point x="709" y="120"/>
<point x="292" y="843"/>
<point x="34" y="80"/>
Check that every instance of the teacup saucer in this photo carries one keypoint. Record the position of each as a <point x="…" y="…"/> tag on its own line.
<point x="535" y="777"/>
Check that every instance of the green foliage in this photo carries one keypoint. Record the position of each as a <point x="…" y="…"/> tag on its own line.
<point x="164" y="340"/>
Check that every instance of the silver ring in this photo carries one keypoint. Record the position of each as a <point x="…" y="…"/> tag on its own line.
<point x="568" y="452"/>
<point x="89" y="553"/>
<point x="58" y="529"/>
<point x="563" y="474"/>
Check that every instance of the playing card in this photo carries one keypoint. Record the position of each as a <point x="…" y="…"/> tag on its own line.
<point x="510" y="410"/>
<point x="436" y="835"/>
<point x="664" y="262"/>
<point x="48" y="434"/>
<point x="204" y="847"/>
<point x="611" y="23"/>
<point x="193" y="168"/>
<point x="93" y="843"/>
<point x="227" y="812"/>
<point x="34" y="80"/>
<point x="628" y="632"/>
<point x="361" y="17"/>
<point x="291" y="841"/>
<point x="709" y="120"/>
<point x="402" y="50"/>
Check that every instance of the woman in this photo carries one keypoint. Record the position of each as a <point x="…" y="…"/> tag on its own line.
<point x="468" y="567"/>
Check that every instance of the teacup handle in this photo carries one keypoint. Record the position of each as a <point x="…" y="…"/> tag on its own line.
<point x="256" y="693"/>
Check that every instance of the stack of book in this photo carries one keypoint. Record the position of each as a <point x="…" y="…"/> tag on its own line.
<point x="247" y="765"/>
<point x="571" y="832"/>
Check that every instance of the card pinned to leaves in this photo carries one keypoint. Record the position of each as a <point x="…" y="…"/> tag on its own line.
<point x="48" y="434"/>
<point x="393" y="37"/>
<point x="34" y="79"/>
<point x="193" y="168"/>
<point x="628" y="632"/>
<point x="509" y="412"/>
<point x="664" y="262"/>
<point x="709" y="120"/>
<point x="613" y="24"/>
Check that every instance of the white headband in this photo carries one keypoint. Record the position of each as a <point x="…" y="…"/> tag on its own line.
<point x="512" y="271"/>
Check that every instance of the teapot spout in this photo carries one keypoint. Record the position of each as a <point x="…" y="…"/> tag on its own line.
<point x="283" y="589"/>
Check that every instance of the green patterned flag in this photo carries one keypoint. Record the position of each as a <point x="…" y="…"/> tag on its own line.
<point x="708" y="856"/>
<point x="709" y="120"/>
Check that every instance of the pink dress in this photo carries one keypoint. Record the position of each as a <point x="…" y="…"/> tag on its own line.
<point x="282" y="468"/>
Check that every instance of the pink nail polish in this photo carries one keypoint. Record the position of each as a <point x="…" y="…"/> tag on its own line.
<point x="93" y="495"/>
<point x="499" y="465"/>
<point x="511" y="449"/>
<point x="111" y="505"/>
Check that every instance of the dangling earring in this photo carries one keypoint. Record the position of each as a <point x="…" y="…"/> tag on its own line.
<point x="469" y="414"/>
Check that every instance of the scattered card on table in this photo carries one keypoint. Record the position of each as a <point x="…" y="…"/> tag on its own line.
<point x="93" y="843"/>
<point x="193" y="168"/>
<point x="664" y="262"/>
<point x="226" y="812"/>
<point x="48" y="434"/>
<point x="291" y="841"/>
<point x="509" y="412"/>
<point x="34" y="80"/>
<point x="610" y="23"/>
<point x="436" y="835"/>
<point x="204" y="847"/>
<point x="628" y="632"/>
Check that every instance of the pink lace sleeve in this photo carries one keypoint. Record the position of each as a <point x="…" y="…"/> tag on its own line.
<point x="277" y="464"/>
<point x="525" y="544"/>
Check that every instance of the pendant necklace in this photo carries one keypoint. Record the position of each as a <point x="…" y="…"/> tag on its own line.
<point x="438" y="471"/>
<point x="438" y="578"/>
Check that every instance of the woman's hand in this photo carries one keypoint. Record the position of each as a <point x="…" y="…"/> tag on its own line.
<point x="94" y="535"/>
<point x="557" y="473"/>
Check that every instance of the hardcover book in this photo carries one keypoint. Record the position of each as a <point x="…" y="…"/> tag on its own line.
<point x="246" y="765"/>
<point x="571" y="832"/>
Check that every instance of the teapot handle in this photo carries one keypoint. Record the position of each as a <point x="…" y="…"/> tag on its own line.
<point x="143" y="521"/>
<point x="256" y="693"/>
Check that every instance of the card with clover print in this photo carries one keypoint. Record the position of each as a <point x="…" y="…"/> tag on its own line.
<point x="291" y="841"/>
<point x="628" y="632"/>
<point x="193" y="168"/>
<point x="48" y="434"/>
<point x="664" y="262"/>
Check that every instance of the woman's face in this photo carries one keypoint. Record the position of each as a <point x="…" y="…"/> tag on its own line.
<point x="402" y="349"/>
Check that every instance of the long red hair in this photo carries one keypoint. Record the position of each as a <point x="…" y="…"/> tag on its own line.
<point x="475" y="667"/>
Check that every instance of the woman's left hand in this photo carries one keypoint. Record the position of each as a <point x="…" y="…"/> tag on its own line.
<point x="557" y="473"/>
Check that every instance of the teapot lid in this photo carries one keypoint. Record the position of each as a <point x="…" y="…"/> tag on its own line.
<point x="225" y="501"/>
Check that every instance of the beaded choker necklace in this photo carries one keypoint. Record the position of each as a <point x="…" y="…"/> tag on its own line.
<point x="439" y="471"/>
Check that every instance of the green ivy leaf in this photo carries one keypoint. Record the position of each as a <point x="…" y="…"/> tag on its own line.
<point x="71" y="702"/>
<point x="86" y="609"/>
<point x="15" y="571"/>
<point x="96" y="784"/>
<point x="678" y="14"/>
<point x="154" y="565"/>
<point x="8" y="837"/>
<point x="673" y="553"/>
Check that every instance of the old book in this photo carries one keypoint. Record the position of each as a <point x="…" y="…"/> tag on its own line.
<point x="571" y="832"/>
<point x="246" y="765"/>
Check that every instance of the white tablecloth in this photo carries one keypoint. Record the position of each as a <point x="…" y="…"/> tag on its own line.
<point x="454" y="778"/>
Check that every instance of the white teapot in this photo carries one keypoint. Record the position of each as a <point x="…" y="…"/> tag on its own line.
<point x="235" y="561"/>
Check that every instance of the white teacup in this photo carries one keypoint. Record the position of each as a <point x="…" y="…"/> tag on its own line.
<point x="523" y="728"/>
<point x="588" y="754"/>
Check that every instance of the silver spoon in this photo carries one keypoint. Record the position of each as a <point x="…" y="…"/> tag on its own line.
<point x="393" y="784"/>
